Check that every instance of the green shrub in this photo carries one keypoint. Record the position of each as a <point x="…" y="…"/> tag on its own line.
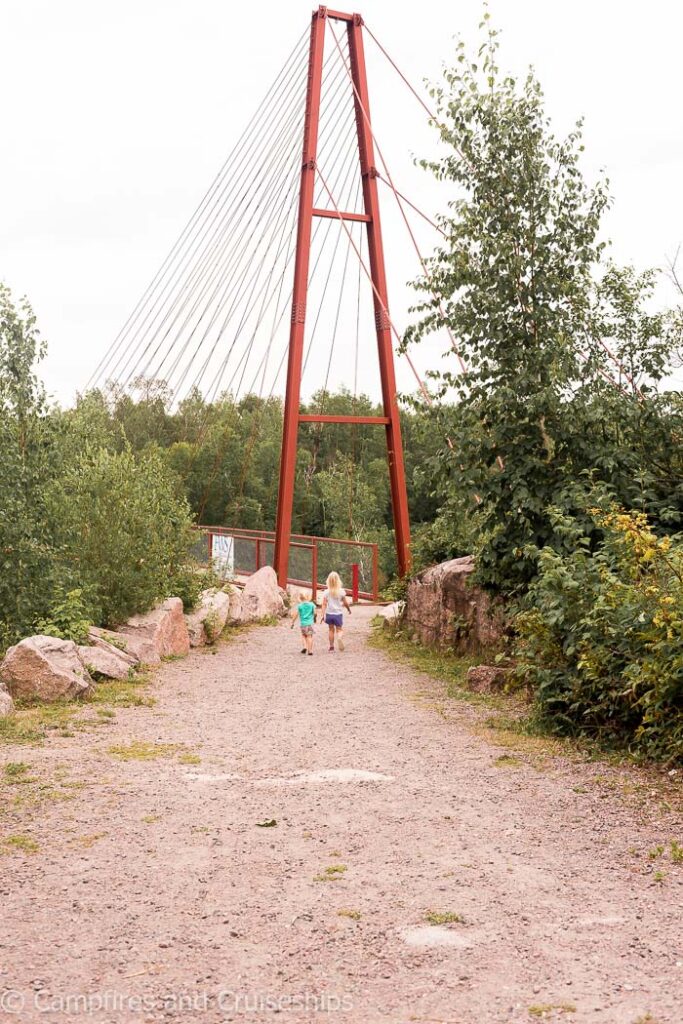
<point x="123" y="527"/>
<point x="601" y="637"/>
<point x="188" y="581"/>
<point x="68" y="618"/>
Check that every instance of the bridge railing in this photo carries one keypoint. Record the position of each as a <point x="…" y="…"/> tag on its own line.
<point x="242" y="552"/>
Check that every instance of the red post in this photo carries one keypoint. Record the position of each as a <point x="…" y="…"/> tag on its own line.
<point x="314" y="571"/>
<point x="290" y="429"/>
<point x="366" y="150"/>
<point x="258" y="555"/>
<point x="355" y="578"/>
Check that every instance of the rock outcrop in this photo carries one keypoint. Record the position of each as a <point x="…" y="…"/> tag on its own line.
<point x="46" y="668"/>
<point x="207" y="621"/>
<point x="164" y="628"/>
<point x="444" y="610"/>
<point x="261" y="596"/>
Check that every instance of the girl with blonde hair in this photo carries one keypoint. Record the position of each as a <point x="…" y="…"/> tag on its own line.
<point x="334" y="603"/>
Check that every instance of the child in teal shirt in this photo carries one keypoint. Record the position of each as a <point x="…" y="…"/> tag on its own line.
<point x="305" y="612"/>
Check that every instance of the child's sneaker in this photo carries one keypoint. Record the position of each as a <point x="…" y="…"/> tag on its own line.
<point x="330" y="649"/>
<point x="340" y="644"/>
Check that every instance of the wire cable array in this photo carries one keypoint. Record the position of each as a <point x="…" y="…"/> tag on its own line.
<point x="214" y="318"/>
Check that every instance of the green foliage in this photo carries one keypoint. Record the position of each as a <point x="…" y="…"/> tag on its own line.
<point x="124" y="527"/>
<point x="68" y="618"/>
<point x="188" y="581"/>
<point x="27" y="566"/>
<point x="601" y="636"/>
<point x="520" y="284"/>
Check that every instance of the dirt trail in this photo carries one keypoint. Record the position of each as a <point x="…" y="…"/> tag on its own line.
<point x="156" y="896"/>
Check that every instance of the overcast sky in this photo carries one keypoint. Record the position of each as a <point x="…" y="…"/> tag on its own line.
<point x="117" y="116"/>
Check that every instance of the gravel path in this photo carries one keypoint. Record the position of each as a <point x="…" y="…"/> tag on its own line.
<point x="155" y="895"/>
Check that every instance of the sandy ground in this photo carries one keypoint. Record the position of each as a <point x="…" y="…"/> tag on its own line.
<point x="155" y="895"/>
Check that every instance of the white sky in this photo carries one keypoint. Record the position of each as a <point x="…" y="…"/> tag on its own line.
<point x="117" y="116"/>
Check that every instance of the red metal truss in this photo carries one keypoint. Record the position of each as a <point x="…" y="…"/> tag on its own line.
<point x="371" y="217"/>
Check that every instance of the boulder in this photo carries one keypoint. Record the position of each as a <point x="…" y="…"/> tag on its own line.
<point x="6" y="703"/>
<point x="443" y="609"/>
<point x="106" y="660"/>
<point x="261" y="596"/>
<point x="391" y="613"/>
<point x="137" y="648"/>
<point x="45" y="667"/>
<point x="487" y="678"/>
<point x="207" y="621"/>
<point x="235" y="608"/>
<point x="117" y="643"/>
<point x="164" y="627"/>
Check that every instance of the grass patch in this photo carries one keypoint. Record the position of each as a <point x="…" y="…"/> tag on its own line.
<point x="123" y="693"/>
<point x="15" y="773"/>
<point x="512" y="726"/>
<point x="355" y="915"/>
<point x="333" y="873"/>
<point x="445" y="666"/>
<point x="443" y="917"/>
<point x="33" y="721"/>
<point x="139" y="750"/>
<point x="85" y="842"/>
<point x="508" y="761"/>
<point x="190" y="758"/>
<point x="544" y="1009"/>
<point x="151" y="819"/>
<point x="18" y="844"/>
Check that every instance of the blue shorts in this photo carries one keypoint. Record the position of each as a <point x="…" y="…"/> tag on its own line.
<point x="334" y="620"/>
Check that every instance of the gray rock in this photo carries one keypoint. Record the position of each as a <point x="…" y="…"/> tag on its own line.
<point x="6" y="703"/>
<point x="443" y="609"/>
<point x="261" y="596"/>
<point x="235" y="610"/>
<point x="111" y="663"/>
<point x="46" y="668"/>
<point x="164" y="627"/>
<point x="392" y="613"/>
<point x="488" y="678"/>
<point x="137" y="648"/>
<point x="207" y="621"/>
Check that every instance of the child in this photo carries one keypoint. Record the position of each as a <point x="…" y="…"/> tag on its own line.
<point x="305" y="612"/>
<point x="334" y="603"/>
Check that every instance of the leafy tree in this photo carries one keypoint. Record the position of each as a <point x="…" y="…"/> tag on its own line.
<point x="27" y="565"/>
<point x="517" y="284"/>
<point x="125" y="528"/>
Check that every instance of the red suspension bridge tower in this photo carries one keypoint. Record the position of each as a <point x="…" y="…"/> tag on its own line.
<point x="371" y="217"/>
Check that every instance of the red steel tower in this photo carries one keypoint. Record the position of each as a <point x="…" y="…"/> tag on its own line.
<point x="371" y="217"/>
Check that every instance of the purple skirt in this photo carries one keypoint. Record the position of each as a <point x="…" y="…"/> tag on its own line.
<point x="334" y="620"/>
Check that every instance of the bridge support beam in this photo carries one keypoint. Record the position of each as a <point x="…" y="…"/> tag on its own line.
<point x="371" y="217"/>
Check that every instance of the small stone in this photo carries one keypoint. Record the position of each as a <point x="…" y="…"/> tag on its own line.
<point x="487" y="678"/>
